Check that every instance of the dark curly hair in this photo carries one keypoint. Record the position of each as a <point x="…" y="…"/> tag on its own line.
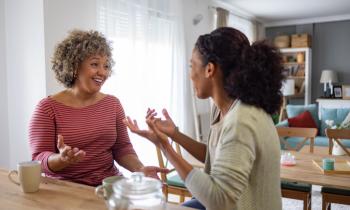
<point x="251" y="73"/>
<point x="74" y="49"/>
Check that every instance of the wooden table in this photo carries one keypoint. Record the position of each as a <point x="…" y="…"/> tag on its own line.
<point x="53" y="194"/>
<point x="305" y="171"/>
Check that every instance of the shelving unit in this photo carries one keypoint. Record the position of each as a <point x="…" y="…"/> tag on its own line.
<point x="297" y="66"/>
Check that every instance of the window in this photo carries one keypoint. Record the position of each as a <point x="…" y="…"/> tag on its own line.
<point x="148" y="49"/>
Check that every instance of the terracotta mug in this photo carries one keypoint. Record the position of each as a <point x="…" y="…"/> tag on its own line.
<point x="28" y="176"/>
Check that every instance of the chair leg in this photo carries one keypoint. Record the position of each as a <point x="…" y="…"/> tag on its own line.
<point x="182" y="198"/>
<point x="309" y="202"/>
<point x="305" y="204"/>
<point x="325" y="204"/>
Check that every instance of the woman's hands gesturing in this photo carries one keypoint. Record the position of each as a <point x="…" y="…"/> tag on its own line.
<point x="152" y="134"/>
<point x="67" y="154"/>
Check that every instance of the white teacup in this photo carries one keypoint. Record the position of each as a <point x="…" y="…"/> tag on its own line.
<point x="28" y="175"/>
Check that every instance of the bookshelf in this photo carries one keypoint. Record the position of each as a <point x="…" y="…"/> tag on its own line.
<point x="297" y="66"/>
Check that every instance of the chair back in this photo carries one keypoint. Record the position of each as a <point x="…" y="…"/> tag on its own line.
<point x="306" y="133"/>
<point x="337" y="135"/>
<point x="163" y="162"/>
<point x="297" y="132"/>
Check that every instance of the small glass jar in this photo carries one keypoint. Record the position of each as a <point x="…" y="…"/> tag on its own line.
<point x="136" y="193"/>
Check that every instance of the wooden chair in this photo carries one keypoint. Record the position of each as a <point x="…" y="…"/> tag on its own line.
<point x="333" y="195"/>
<point x="295" y="190"/>
<point x="172" y="181"/>
<point x="337" y="135"/>
<point x="306" y="133"/>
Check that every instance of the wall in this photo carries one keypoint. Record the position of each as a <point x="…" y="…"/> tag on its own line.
<point x="330" y="49"/>
<point x="25" y="68"/>
<point x="4" y="137"/>
<point x="59" y="18"/>
<point x="192" y="32"/>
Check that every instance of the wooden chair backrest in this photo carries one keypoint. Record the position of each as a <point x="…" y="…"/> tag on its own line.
<point x="162" y="161"/>
<point x="296" y="132"/>
<point x="338" y="133"/>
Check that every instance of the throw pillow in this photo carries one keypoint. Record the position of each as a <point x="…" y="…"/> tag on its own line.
<point x="303" y="120"/>
<point x="346" y="122"/>
<point x="295" y="110"/>
<point x="337" y="115"/>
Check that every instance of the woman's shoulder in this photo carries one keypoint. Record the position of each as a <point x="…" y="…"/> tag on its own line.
<point x="111" y="98"/>
<point x="245" y="114"/>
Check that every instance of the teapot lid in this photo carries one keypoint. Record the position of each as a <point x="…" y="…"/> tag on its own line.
<point x="137" y="184"/>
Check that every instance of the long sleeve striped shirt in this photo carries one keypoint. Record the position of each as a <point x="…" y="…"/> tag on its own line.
<point x="97" y="129"/>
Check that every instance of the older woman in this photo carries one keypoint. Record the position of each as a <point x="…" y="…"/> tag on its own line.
<point x="78" y="133"/>
<point x="242" y="169"/>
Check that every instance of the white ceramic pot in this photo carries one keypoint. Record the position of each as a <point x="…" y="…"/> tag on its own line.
<point x="337" y="150"/>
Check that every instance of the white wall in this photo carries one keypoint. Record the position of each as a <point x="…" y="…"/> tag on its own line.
<point x="25" y="67"/>
<point x="192" y="32"/>
<point x="60" y="17"/>
<point x="29" y="31"/>
<point x="4" y="137"/>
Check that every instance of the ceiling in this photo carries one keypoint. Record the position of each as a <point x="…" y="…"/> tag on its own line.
<point x="274" y="11"/>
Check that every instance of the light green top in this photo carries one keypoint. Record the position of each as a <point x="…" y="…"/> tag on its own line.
<point x="242" y="167"/>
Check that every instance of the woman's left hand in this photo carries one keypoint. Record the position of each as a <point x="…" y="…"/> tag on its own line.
<point x="151" y="171"/>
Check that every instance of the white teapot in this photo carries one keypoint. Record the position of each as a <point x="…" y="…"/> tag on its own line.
<point x="136" y="193"/>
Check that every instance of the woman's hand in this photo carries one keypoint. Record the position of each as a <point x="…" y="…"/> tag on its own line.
<point x="150" y="134"/>
<point x="67" y="154"/>
<point x="166" y="126"/>
<point x="151" y="171"/>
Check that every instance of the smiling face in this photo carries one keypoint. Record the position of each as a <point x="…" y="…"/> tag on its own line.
<point x="92" y="74"/>
<point x="199" y="76"/>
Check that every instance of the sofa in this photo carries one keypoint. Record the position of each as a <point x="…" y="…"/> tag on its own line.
<point x="339" y="116"/>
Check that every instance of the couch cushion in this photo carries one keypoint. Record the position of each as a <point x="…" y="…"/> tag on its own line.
<point x="303" y="120"/>
<point x="337" y="115"/>
<point x="346" y="122"/>
<point x="283" y="123"/>
<point x="294" y="110"/>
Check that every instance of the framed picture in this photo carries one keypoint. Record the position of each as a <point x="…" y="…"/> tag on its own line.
<point x="337" y="90"/>
<point x="346" y="91"/>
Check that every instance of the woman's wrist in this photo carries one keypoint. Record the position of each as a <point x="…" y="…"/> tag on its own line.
<point x="55" y="163"/>
<point x="175" y="132"/>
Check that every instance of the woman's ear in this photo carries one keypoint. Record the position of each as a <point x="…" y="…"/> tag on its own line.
<point x="210" y="70"/>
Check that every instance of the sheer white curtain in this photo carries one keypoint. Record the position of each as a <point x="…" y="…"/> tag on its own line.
<point x="148" y="42"/>
<point x="248" y="27"/>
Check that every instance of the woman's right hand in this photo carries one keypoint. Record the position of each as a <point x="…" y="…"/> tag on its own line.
<point x="166" y="126"/>
<point x="150" y="134"/>
<point x="67" y="154"/>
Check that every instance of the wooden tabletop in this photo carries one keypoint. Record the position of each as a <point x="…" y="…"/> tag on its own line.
<point x="53" y="194"/>
<point x="306" y="171"/>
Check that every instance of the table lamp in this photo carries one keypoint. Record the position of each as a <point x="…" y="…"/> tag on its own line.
<point x="328" y="77"/>
<point x="288" y="89"/>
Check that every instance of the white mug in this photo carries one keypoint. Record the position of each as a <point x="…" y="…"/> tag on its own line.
<point x="29" y="176"/>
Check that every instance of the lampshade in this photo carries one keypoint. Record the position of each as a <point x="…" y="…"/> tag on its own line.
<point x="288" y="87"/>
<point x="328" y="75"/>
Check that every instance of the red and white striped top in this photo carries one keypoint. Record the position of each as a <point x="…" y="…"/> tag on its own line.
<point x="97" y="129"/>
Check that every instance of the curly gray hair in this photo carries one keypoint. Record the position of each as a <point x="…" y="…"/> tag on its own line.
<point x="74" y="49"/>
